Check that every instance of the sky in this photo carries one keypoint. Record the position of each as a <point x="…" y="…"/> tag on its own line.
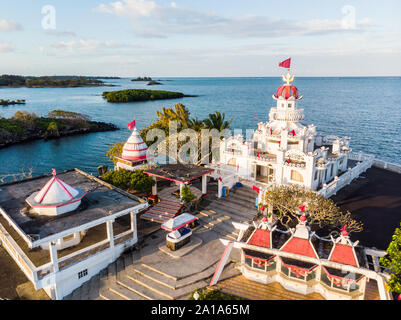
<point x="202" y="38"/>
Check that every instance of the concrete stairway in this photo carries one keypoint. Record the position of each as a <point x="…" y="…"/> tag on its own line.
<point x="163" y="211"/>
<point x="129" y="279"/>
<point x="238" y="206"/>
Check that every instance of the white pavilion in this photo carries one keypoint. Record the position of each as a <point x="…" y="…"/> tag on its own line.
<point x="285" y="150"/>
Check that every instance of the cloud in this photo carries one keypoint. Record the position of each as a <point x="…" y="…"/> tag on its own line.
<point x="151" y="20"/>
<point x="9" y="25"/>
<point x="89" y="45"/>
<point x="61" y="33"/>
<point x="6" y="47"/>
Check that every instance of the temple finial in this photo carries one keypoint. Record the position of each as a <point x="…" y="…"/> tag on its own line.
<point x="54" y="173"/>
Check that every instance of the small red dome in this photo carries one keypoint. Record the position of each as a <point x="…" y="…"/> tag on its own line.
<point x="287" y="91"/>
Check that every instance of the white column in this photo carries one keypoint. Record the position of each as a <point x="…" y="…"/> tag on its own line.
<point x="219" y="187"/>
<point x="53" y="256"/>
<point x="133" y="226"/>
<point x="110" y="233"/>
<point x="154" y="188"/>
<point x="204" y="184"/>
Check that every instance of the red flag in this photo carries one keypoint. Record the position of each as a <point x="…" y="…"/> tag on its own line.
<point x="285" y="63"/>
<point x="279" y="144"/>
<point x="271" y="131"/>
<point x="293" y="133"/>
<point x="302" y="208"/>
<point x="254" y="188"/>
<point x="289" y="159"/>
<point x="344" y="230"/>
<point x="262" y="208"/>
<point x="255" y="116"/>
<point x="131" y="125"/>
<point x="220" y="179"/>
<point x="257" y="155"/>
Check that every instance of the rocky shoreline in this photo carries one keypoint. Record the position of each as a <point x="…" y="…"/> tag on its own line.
<point x="40" y="134"/>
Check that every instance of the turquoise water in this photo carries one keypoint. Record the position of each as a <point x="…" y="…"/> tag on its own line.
<point x="366" y="109"/>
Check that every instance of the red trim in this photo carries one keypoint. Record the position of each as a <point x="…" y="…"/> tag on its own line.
<point x="295" y="267"/>
<point x="64" y="188"/>
<point x="134" y="142"/>
<point x="340" y="278"/>
<point x="251" y="257"/>
<point x="131" y="150"/>
<point x="221" y="259"/>
<point x="299" y="246"/>
<point x="135" y="158"/>
<point x="50" y="182"/>
<point x="58" y="206"/>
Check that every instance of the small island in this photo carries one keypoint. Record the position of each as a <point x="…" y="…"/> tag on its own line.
<point x="133" y="95"/>
<point x="142" y="79"/>
<point x="25" y="126"/>
<point x="15" y="81"/>
<point x="6" y="102"/>
<point x="153" y="82"/>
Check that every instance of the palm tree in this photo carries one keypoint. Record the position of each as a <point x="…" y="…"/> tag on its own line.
<point x="180" y="114"/>
<point x="217" y="121"/>
<point x="196" y="124"/>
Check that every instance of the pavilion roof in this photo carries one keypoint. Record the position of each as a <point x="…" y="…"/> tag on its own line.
<point x="178" y="172"/>
<point x="260" y="238"/>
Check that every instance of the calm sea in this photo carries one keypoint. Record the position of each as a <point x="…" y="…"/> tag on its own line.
<point x="366" y="109"/>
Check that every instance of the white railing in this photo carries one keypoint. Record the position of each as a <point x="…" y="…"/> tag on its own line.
<point x="17" y="254"/>
<point x="366" y="161"/>
<point x="387" y="166"/>
<point x="286" y="115"/>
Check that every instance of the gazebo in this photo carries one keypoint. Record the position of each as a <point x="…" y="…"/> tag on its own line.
<point x="168" y="201"/>
<point x="181" y="174"/>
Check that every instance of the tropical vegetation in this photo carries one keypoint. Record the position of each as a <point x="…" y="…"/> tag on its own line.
<point x="132" y="95"/>
<point x="178" y="115"/>
<point x="129" y="180"/>
<point x="6" y="102"/>
<point x="392" y="261"/>
<point x="55" y="81"/>
<point x="25" y="126"/>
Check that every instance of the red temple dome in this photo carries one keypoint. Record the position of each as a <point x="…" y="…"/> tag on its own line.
<point x="287" y="91"/>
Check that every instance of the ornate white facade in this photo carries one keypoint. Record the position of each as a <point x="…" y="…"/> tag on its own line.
<point x="285" y="150"/>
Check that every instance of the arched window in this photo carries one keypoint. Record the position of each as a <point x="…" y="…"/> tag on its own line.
<point x="296" y="176"/>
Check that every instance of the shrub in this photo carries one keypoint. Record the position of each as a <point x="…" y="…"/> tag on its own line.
<point x="129" y="180"/>
<point x="186" y="194"/>
<point x="205" y="294"/>
<point x="393" y="262"/>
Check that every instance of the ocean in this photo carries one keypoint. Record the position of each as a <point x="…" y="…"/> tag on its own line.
<point x="366" y="109"/>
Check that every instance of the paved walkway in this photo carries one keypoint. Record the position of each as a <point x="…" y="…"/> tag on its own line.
<point x="374" y="199"/>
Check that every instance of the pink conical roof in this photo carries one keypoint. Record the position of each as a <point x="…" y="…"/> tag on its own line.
<point x="55" y="191"/>
<point x="135" y="148"/>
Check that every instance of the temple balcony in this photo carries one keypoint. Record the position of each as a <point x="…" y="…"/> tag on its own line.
<point x="286" y="115"/>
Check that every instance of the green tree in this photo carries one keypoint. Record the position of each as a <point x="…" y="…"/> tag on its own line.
<point x="186" y="194"/>
<point x="115" y="150"/>
<point x="217" y="121"/>
<point x="322" y="213"/>
<point x="393" y="262"/>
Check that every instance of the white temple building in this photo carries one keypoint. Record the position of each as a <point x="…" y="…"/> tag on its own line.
<point x="134" y="155"/>
<point x="285" y="150"/>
